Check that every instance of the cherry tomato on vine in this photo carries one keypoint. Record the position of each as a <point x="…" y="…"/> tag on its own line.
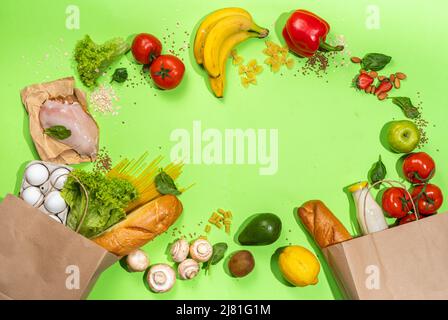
<point x="396" y="202"/>
<point x="419" y="167"/>
<point x="428" y="198"/>
<point x="145" y="48"/>
<point x="167" y="71"/>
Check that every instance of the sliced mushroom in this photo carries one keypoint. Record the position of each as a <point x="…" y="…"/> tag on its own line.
<point x="188" y="269"/>
<point x="161" y="278"/>
<point x="201" y="250"/>
<point x="179" y="250"/>
<point x="137" y="261"/>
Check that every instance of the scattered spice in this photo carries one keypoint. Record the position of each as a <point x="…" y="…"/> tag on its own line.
<point x="421" y="124"/>
<point x="103" y="162"/>
<point x="318" y="64"/>
<point x="175" y="45"/>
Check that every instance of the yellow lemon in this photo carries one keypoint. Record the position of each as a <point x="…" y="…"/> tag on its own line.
<point x="299" y="266"/>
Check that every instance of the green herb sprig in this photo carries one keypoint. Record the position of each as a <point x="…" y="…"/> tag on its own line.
<point x="378" y="172"/>
<point x="219" y="251"/>
<point x="165" y="184"/>
<point x="58" y="132"/>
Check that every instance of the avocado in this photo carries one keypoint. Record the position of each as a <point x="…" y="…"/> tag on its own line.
<point x="262" y="229"/>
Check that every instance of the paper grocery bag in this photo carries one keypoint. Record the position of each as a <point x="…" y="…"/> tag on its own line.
<point x="33" y="97"/>
<point x="404" y="262"/>
<point x="43" y="259"/>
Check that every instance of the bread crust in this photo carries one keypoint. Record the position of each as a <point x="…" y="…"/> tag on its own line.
<point x="141" y="226"/>
<point x="321" y="223"/>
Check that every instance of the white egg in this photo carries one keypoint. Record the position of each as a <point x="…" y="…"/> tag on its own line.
<point x="58" y="177"/>
<point x="54" y="202"/>
<point x="32" y="196"/>
<point x="36" y="174"/>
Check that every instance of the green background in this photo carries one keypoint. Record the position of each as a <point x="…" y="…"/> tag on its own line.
<point x="329" y="134"/>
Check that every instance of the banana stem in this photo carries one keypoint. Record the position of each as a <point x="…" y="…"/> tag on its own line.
<point x="261" y="32"/>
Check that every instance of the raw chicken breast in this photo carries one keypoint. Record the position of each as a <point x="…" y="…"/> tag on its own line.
<point x="84" y="137"/>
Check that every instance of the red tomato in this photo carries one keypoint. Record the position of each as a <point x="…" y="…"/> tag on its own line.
<point x="145" y="48"/>
<point x="396" y="202"/>
<point x="428" y="198"/>
<point x="406" y="219"/>
<point x="419" y="167"/>
<point x="167" y="71"/>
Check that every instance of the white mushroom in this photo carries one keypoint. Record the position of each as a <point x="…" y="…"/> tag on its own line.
<point x="137" y="260"/>
<point x="201" y="250"/>
<point x="161" y="278"/>
<point x="188" y="269"/>
<point x="179" y="250"/>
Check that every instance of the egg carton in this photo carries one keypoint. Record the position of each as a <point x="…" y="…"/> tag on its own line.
<point x="41" y="187"/>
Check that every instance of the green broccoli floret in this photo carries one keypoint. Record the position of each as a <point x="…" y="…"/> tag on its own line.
<point x="93" y="59"/>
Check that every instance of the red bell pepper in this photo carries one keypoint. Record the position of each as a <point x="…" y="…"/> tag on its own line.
<point x="305" y="33"/>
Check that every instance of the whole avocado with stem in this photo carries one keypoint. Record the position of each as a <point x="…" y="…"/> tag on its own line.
<point x="262" y="229"/>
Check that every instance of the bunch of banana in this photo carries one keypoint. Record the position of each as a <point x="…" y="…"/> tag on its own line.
<point x="217" y="35"/>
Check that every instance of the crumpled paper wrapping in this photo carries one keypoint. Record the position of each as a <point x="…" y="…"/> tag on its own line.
<point x="33" y="97"/>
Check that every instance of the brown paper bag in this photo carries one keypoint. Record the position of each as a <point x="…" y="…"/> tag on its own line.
<point x="33" y="97"/>
<point x="404" y="262"/>
<point x="43" y="259"/>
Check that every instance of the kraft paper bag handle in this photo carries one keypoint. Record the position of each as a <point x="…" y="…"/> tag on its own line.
<point x="392" y="183"/>
<point x="85" y="193"/>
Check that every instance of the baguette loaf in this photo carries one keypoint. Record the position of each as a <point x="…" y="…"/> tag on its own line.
<point x="141" y="226"/>
<point x="320" y="222"/>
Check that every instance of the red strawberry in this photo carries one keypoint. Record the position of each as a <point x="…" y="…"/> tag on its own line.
<point x="363" y="81"/>
<point x="384" y="87"/>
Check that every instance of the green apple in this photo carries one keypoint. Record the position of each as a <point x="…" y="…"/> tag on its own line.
<point x="403" y="136"/>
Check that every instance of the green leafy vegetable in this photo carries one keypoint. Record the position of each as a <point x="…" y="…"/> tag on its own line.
<point x="120" y="75"/>
<point x="378" y="172"/>
<point x="219" y="250"/>
<point x="375" y="61"/>
<point x="165" y="184"/>
<point x="58" y="132"/>
<point x="93" y="59"/>
<point x="406" y="105"/>
<point x="107" y="199"/>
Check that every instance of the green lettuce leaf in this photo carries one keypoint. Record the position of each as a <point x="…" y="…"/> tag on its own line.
<point x="107" y="199"/>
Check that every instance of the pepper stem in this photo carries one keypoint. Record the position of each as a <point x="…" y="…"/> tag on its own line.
<point x="326" y="47"/>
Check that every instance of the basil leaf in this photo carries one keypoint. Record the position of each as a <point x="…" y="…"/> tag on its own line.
<point x="407" y="107"/>
<point x="378" y="172"/>
<point x="120" y="75"/>
<point x="219" y="251"/>
<point x="58" y="132"/>
<point x="165" y="184"/>
<point x="375" y="61"/>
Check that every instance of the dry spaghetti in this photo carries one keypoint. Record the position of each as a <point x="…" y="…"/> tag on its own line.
<point x="141" y="176"/>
